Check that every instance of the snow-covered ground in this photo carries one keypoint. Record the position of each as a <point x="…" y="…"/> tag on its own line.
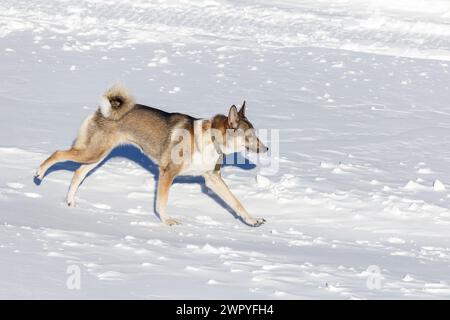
<point x="358" y="208"/>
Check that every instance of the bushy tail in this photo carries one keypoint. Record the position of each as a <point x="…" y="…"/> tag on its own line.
<point x="115" y="102"/>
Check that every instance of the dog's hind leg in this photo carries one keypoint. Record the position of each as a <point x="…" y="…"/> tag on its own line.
<point x="77" y="179"/>
<point x="87" y="155"/>
<point x="215" y="182"/>
<point x="57" y="156"/>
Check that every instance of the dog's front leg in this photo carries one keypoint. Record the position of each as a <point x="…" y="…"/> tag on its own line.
<point x="165" y="181"/>
<point x="215" y="182"/>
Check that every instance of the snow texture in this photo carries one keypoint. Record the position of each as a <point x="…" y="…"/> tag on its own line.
<point x="357" y="209"/>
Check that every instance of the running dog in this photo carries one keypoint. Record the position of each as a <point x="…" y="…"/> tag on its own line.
<point x="178" y="143"/>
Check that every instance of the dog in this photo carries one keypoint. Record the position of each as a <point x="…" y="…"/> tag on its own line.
<point x="178" y="143"/>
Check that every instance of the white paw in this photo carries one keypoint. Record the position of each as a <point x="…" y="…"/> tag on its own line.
<point x="39" y="173"/>
<point x="71" y="203"/>
<point x="255" y="222"/>
<point x="171" y="222"/>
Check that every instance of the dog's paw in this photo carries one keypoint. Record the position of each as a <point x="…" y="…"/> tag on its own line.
<point x="39" y="174"/>
<point x="71" y="203"/>
<point x="255" y="222"/>
<point x="171" y="222"/>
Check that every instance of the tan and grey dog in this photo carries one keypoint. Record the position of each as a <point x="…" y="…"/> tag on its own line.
<point x="178" y="143"/>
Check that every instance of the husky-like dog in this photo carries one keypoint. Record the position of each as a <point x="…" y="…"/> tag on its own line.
<point x="178" y="143"/>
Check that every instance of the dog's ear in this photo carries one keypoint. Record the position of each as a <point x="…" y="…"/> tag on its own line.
<point x="241" y="112"/>
<point x="233" y="117"/>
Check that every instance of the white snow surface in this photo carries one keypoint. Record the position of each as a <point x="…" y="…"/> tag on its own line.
<point x="359" y="91"/>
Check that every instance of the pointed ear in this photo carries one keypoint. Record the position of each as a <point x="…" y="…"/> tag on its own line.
<point x="241" y="112"/>
<point x="233" y="117"/>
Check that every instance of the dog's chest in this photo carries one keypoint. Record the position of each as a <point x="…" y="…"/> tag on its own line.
<point x="202" y="162"/>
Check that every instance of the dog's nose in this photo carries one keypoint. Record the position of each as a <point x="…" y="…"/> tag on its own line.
<point x="263" y="149"/>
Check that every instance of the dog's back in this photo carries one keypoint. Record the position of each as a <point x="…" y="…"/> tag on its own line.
<point x="120" y="120"/>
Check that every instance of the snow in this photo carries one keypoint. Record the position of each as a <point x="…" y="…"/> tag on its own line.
<point x="438" y="186"/>
<point x="355" y="198"/>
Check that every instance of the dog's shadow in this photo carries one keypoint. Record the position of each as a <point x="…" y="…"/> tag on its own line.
<point x="134" y="154"/>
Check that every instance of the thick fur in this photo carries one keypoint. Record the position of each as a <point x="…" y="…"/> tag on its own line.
<point x="116" y="102"/>
<point x="119" y="120"/>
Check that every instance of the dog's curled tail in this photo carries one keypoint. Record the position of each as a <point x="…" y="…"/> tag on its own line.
<point x="116" y="102"/>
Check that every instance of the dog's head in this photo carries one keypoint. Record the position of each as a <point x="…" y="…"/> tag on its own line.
<point x="241" y="134"/>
